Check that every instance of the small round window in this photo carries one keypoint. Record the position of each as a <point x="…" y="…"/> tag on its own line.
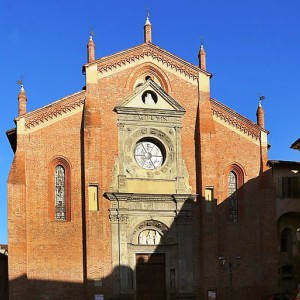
<point x="149" y="154"/>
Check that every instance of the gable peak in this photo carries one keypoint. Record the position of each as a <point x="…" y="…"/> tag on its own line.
<point x="150" y="95"/>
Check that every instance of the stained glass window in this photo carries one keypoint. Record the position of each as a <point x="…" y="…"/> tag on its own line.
<point x="60" y="193"/>
<point x="233" y="204"/>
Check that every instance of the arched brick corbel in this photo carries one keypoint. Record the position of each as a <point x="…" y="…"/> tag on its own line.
<point x="148" y="69"/>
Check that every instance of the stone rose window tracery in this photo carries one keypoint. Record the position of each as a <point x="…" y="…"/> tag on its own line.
<point x="149" y="155"/>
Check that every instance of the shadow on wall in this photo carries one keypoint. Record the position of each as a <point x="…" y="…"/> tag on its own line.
<point x="184" y="263"/>
<point x="247" y="227"/>
<point x="3" y="276"/>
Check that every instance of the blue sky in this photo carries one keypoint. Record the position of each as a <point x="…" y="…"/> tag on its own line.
<point x="252" y="48"/>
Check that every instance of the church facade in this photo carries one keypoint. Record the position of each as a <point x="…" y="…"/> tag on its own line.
<point x="140" y="186"/>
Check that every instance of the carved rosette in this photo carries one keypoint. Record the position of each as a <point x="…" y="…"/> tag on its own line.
<point x="118" y="218"/>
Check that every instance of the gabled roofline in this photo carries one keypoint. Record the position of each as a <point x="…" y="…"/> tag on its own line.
<point x="296" y="145"/>
<point x="273" y="163"/>
<point x="147" y="49"/>
<point x="12" y="138"/>
<point x="53" y="109"/>
<point x="236" y="119"/>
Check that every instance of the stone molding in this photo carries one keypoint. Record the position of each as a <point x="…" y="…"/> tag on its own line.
<point x="161" y="125"/>
<point x="118" y="218"/>
<point x="149" y="197"/>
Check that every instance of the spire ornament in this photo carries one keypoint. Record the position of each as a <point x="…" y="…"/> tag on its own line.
<point x="148" y="30"/>
<point x="202" y="56"/>
<point x="260" y="114"/>
<point x="91" y="47"/>
<point x="22" y="98"/>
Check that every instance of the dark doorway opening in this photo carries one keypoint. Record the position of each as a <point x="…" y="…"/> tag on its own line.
<point x="150" y="276"/>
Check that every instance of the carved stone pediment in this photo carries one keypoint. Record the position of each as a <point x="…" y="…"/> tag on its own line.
<point x="149" y="96"/>
<point x="149" y="142"/>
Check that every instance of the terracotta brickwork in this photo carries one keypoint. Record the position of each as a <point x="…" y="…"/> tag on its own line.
<point x="75" y="258"/>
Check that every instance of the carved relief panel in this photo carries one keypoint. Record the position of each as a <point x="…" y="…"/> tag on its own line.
<point x="150" y="157"/>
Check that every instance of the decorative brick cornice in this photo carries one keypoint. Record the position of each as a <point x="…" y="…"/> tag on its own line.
<point x="55" y="109"/>
<point x="140" y="52"/>
<point x="235" y="119"/>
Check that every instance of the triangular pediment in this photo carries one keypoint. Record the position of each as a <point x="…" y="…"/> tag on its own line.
<point x="151" y="96"/>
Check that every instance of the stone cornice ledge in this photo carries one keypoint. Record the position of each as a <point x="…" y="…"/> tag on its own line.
<point x="149" y="197"/>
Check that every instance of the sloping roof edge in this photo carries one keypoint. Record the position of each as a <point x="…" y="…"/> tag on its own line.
<point x="296" y="145"/>
<point x="55" y="108"/>
<point x="236" y="119"/>
<point x="147" y="49"/>
<point x="272" y="163"/>
<point x="12" y="138"/>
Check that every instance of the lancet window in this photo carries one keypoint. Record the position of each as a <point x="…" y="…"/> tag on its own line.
<point x="60" y="193"/>
<point x="232" y="194"/>
<point x="235" y="180"/>
<point x="59" y="189"/>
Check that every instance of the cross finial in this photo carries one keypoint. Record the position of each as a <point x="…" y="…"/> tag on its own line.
<point x="92" y="33"/>
<point x="201" y="42"/>
<point x="147" y="18"/>
<point x="20" y="81"/>
<point x="148" y="12"/>
<point x="260" y="97"/>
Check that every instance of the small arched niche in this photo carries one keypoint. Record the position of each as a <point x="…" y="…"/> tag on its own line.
<point x="150" y="232"/>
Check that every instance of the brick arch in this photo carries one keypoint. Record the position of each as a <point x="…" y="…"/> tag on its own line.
<point x="54" y="162"/>
<point x="234" y="205"/>
<point x="238" y="170"/>
<point x="149" y="69"/>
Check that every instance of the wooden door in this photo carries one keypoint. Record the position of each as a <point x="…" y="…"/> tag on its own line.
<point x="150" y="277"/>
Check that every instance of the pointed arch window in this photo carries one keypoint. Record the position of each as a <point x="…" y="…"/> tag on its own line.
<point x="59" y="189"/>
<point x="60" y="193"/>
<point x="235" y="179"/>
<point x="232" y="193"/>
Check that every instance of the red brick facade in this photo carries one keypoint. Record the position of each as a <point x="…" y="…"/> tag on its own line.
<point x="76" y="258"/>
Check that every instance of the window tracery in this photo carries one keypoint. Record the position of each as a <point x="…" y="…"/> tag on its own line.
<point x="235" y="180"/>
<point x="59" y="189"/>
<point x="232" y="189"/>
<point x="60" y="195"/>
